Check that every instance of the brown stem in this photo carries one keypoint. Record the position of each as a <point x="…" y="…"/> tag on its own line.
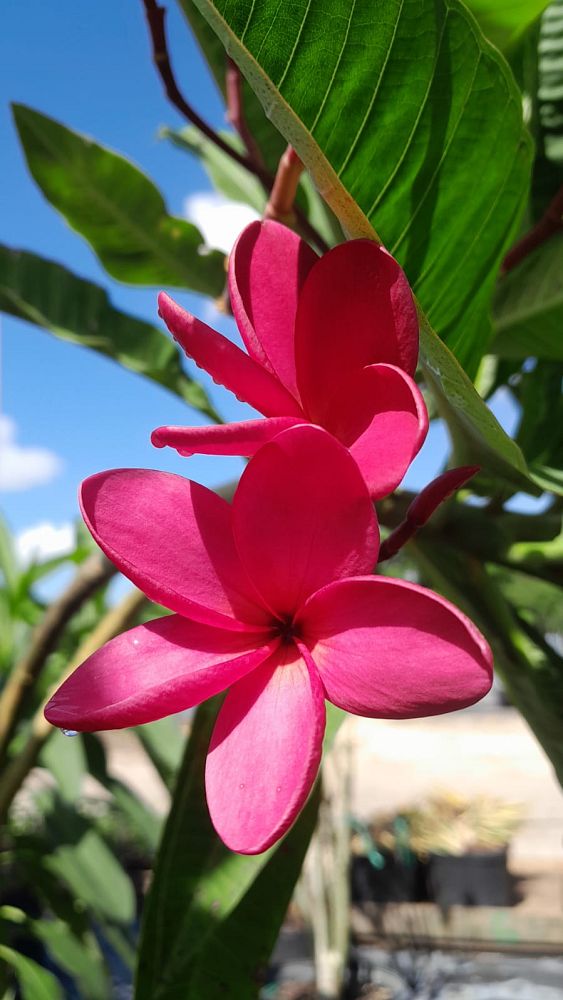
<point x="155" y="15"/>
<point x="113" y="623"/>
<point x="235" y="111"/>
<point x="549" y="224"/>
<point x="93" y="573"/>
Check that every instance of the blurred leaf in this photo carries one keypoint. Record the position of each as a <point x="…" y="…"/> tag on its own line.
<point x="547" y="102"/>
<point x="163" y="742"/>
<point x="227" y="176"/>
<point x="66" y="760"/>
<point x="79" y="956"/>
<point x="8" y="562"/>
<point x="83" y="861"/>
<point x="535" y="600"/>
<point x="394" y="109"/>
<point x="50" y="296"/>
<point x="35" y="983"/>
<point x="198" y="885"/>
<point x="116" y="208"/>
<point x="505" y="21"/>
<point x="540" y="434"/>
<point x="528" y="307"/>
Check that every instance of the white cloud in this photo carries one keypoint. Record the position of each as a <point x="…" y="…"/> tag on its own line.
<point x="45" y="541"/>
<point x="22" y="467"/>
<point x="218" y="219"/>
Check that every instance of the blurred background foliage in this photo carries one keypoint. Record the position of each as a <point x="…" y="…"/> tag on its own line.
<point x="446" y="139"/>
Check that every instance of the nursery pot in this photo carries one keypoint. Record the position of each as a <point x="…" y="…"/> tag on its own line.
<point x="399" y="880"/>
<point x="479" y="878"/>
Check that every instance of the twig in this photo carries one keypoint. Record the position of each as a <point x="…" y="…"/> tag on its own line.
<point x="93" y="574"/>
<point x="155" y="15"/>
<point x="549" y="224"/>
<point x="423" y="507"/>
<point x="112" y="624"/>
<point x="235" y="112"/>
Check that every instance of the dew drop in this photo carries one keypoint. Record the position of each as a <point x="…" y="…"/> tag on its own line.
<point x="242" y="785"/>
<point x="69" y="732"/>
<point x="278" y="789"/>
<point x="136" y="642"/>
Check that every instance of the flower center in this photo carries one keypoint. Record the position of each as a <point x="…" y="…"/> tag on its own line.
<point x="287" y="629"/>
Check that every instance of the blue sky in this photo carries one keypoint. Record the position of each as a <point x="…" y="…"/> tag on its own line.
<point x="89" y="66"/>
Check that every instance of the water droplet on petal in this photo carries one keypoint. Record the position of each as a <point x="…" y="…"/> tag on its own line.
<point x="278" y="789"/>
<point x="136" y="642"/>
<point x="242" y="785"/>
<point x="69" y="732"/>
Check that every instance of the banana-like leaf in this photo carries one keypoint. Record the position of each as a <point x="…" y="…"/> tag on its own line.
<point x="116" y="208"/>
<point x="52" y="297"/>
<point x="528" y="307"/>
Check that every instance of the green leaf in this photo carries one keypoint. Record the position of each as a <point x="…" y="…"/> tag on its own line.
<point x="268" y="140"/>
<point x="227" y="176"/>
<point x="116" y="208"/>
<point x="528" y="306"/>
<point x="198" y="885"/>
<point x="394" y="108"/>
<point x="35" y="982"/>
<point x="66" y="761"/>
<point x="50" y="296"/>
<point x="163" y="742"/>
<point x="541" y="429"/>
<point x="504" y="22"/>
<point x="8" y="562"/>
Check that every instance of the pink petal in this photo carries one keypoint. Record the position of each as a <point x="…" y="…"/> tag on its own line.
<point x="302" y="517"/>
<point x="380" y="415"/>
<point x="393" y="650"/>
<point x="355" y="309"/>
<point x="267" y="268"/>
<point x="244" y="438"/>
<point x="154" y="670"/>
<point x="265" y="752"/>
<point x="226" y="363"/>
<point x="173" y="539"/>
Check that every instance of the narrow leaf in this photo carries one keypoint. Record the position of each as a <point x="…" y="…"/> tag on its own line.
<point x="504" y="22"/>
<point x="528" y="307"/>
<point x="35" y="983"/>
<point x="116" y="208"/>
<point x="50" y="296"/>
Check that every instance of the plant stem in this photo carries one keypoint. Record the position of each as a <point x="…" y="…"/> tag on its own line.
<point x="113" y="623"/>
<point x="550" y="223"/>
<point x="235" y="112"/>
<point x="94" y="573"/>
<point x="155" y="15"/>
<point x="281" y="203"/>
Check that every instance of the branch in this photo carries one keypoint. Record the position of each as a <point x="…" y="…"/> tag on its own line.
<point x="112" y="624"/>
<point x="94" y="573"/>
<point x="155" y="15"/>
<point x="235" y="112"/>
<point x="549" y="224"/>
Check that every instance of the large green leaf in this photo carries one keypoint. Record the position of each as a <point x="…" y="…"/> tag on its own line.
<point x="528" y="308"/>
<point x="199" y="886"/>
<point x="268" y="140"/>
<point x="116" y="208"/>
<point x="395" y="108"/>
<point x="47" y="294"/>
<point x="504" y="22"/>
<point x="35" y="983"/>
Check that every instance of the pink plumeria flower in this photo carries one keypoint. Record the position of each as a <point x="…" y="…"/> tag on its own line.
<point x="330" y="340"/>
<point x="272" y="599"/>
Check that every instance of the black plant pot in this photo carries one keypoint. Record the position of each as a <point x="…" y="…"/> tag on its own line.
<point x="477" y="879"/>
<point x="398" y="881"/>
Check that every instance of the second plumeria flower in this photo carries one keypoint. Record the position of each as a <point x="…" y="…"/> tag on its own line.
<point x="273" y="599"/>
<point x="330" y="340"/>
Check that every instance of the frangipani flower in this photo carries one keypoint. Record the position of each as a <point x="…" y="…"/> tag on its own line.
<point x="332" y="341"/>
<point x="272" y="598"/>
